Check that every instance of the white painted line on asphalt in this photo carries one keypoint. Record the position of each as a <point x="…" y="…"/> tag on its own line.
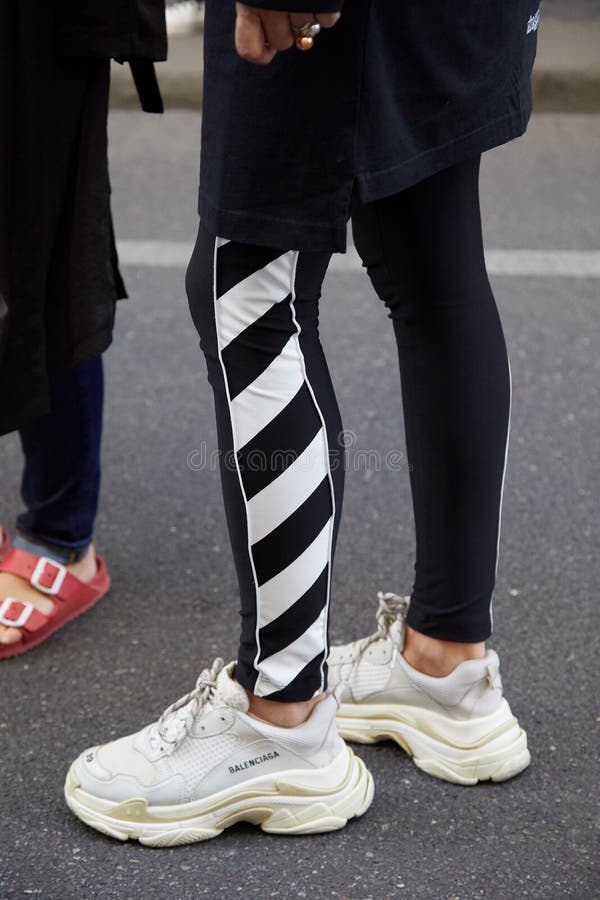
<point x="569" y="263"/>
<point x="154" y="253"/>
<point x="545" y="263"/>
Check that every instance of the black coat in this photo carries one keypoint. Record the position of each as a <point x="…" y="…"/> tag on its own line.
<point x="396" y="91"/>
<point x="58" y="274"/>
<point x="117" y="29"/>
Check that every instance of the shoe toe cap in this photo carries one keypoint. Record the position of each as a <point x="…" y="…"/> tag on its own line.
<point x="89" y="771"/>
<point x="122" y="757"/>
<point x="113" y="770"/>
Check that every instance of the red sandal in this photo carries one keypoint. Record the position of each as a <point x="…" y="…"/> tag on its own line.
<point x="70" y="595"/>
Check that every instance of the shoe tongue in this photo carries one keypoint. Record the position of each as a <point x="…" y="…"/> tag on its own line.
<point x="228" y="692"/>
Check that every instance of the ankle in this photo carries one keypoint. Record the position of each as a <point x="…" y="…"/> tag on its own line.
<point x="84" y="568"/>
<point x="283" y="715"/>
<point x="435" y="657"/>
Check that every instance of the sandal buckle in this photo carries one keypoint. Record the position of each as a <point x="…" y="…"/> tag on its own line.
<point x="22" y="618"/>
<point x="40" y="572"/>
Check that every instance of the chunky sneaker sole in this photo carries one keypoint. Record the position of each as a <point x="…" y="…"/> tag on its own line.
<point x="458" y="728"/>
<point x="489" y="748"/>
<point x="296" y="801"/>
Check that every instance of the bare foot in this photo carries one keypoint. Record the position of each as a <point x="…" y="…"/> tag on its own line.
<point x="19" y="589"/>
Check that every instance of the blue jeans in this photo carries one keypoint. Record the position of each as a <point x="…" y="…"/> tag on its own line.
<point x="61" y="478"/>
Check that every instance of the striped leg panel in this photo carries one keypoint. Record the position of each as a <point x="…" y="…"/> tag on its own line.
<point x="283" y="463"/>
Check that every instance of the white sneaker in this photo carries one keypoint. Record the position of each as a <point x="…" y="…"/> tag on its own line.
<point x="184" y="17"/>
<point x="207" y="764"/>
<point x="459" y="728"/>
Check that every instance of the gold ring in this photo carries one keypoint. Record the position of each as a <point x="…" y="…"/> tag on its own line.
<point x="306" y="34"/>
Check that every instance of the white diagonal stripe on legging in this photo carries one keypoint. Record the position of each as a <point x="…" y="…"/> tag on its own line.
<point x="282" y="590"/>
<point x="255" y="407"/>
<point x="267" y="395"/>
<point x="287" y="663"/>
<point x="279" y="499"/>
<point x="251" y="298"/>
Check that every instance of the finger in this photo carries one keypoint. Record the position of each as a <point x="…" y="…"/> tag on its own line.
<point x="327" y="20"/>
<point x="278" y="30"/>
<point x="297" y="20"/>
<point x="250" y="40"/>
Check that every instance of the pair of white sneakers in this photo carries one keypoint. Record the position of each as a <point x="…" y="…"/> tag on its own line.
<point x="207" y="763"/>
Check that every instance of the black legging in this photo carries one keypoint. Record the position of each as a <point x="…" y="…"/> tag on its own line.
<point x="256" y="310"/>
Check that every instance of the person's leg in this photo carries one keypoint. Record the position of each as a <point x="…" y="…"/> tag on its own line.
<point x="60" y="485"/>
<point x="256" y="740"/>
<point x="423" y="250"/>
<point x="61" y="477"/>
<point x="425" y="678"/>
<point x="256" y="310"/>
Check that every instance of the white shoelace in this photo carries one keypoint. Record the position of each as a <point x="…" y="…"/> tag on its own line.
<point x="391" y="608"/>
<point x="179" y="716"/>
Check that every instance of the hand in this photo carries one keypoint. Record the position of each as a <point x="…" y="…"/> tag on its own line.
<point x="261" y="33"/>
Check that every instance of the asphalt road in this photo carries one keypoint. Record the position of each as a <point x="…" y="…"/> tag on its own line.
<point x="572" y="9"/>
<point x="173" y="606"/>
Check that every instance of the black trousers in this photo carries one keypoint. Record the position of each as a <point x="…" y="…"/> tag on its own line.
<point x="256" y="310"/>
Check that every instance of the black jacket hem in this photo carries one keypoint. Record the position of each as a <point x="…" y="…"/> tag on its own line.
<point x="251" y="228"/>
<point x="376" y="185"/>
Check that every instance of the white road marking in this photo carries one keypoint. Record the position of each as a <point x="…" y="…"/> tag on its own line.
<point x="569" y="263"/>
<point x="154" y="253"/>
<point x="544" y="263"/>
